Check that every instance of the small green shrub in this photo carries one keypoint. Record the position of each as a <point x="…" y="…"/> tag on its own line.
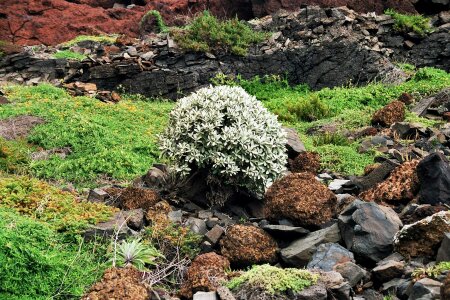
<point x="431" y="272"/>
<point x="174" y="239"/>
<point x="309" y="109"/>
<point x="36" y="263"/>
<point x="43" y="202"/>
<point x="69" y="54"/>
<point x="406" y="23"/>
<point x="330" y="138"/>
<point x="162" y="27"/>
<point x="275" y="280"/>
<point x="208" y="34"/>
<point x="228" y="133"/>
<point x="135" y="253"/>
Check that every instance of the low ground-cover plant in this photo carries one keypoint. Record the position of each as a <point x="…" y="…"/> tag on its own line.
<point x="113" y="141"/>
<point x="228" y="133"/>
<point x="406" y="23"/>
<point x="43" y="202"/>
<point x="206" y="33"/>
<point x="36" y="263"/>
<point x="274" y="280"/>
<point x="105" y="39"/>
<point x="69" y="54"/>
<point x="431" y="272"/>
<point x="14" y="156"/>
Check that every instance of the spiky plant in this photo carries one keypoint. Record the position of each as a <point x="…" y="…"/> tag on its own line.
<point x="135" y="253"/>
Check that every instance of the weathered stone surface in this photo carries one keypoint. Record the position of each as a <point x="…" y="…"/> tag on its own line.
<point x="294" y="144"/>
<point x="424" y="237"/>
<point x="434" y="176"/>
<point x="368" y="229"/>
<point x="388" y="270"/>
<point x="300" y="198"/>
<point x="97" y="195"/>
<point x="135" y="218"/>
<point x="285" y="231"/>
<point x="117" y="226"/>
<point x="376" y="176"/>
<point x="444" y="250"/>
<point x="300" y="252"/>
<point x="197" y="225"/>
<point x="351" y="272"/>
<point x="214" y="234"/>
<point x="205" y="296"/>
<point x="328" y="255"/>
<point x="336" y="285"/>
<point x="246" y="245"/>
<point x="317" y="291"/>
<point x="425" y="288"/>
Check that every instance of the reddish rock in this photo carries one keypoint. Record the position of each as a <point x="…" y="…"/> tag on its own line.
<point x="406" y="98"/>
<point x="246" y="245"/>
<point x="300" y="198"/>
<point x="51" y="22"/>
<point x="205" y="274"/>
<point x="401" y="185"/>
<point x="306" y="162"/>
<point x="392" y="113"/>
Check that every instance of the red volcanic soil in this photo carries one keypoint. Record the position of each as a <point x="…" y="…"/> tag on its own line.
<point x="49" y="22"/>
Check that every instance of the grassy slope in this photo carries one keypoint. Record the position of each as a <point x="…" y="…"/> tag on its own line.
<point x="117" y="141"/>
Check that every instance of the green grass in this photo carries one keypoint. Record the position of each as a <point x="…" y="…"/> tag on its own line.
<point x="208" y="34"/>
<point x="349" y="107"/>
<point x="69" y="54"/>
<point x="37" y="263"/>
<point x="104" y="39"/>
<point x="162" y="27"/>
<point x="113" y="141"/>
<point x="407" y="23"/>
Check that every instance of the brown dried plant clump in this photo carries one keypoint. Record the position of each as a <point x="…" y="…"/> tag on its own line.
<point x="206" y="273"/>
<point x="124" y="284"/>
<point x="301" y="198"/>
<point x="390" y="114"/>
<point x="246" y="245"/>
<point x="401" y="185"/>
<point x="306" y="162"/>
<point x="133" y="197"/>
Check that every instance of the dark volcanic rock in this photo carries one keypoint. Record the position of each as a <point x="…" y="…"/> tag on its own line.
<point x="368" y="229"/>
<point x="328" y="255"/>
<point x="434" y="177"/>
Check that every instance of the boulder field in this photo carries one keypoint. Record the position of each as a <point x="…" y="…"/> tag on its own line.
<point x="51" y="22"/>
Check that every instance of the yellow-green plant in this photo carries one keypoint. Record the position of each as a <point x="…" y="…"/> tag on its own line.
<point x="135" y="253"/>
<point x="405" y="23"/>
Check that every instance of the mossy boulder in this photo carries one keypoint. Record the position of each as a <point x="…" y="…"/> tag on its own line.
<point x="246" y="245"/>
<point x="301" y="198"/>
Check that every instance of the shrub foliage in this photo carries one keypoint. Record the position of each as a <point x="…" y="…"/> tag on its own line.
<point x="405" y="23"/>
<point x="208" y="34"/>
<point x="229" y="133"/>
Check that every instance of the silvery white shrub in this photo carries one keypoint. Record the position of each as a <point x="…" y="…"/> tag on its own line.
<point x="228" y="132"/>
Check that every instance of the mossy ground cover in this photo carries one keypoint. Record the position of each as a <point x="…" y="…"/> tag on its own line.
<point x="349" y="107"/>
<point x="107" y="140"/>
<point x="38" y="263"/>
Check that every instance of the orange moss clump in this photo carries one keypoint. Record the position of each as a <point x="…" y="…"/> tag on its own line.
<point x="300" y="198"/>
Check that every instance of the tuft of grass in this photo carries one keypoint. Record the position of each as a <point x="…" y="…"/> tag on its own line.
<point x="104" y="39"/>
<point x="275" y="280"/>
<point x="330" y="138"/>
<point x="37" y="263"/>
<point x="208" y="34"/>
<point x="14" y="156"/>
<point x="69" y="54"/>
<point x="43" y="202"/>
<point x="407" y="23"/>
<point x="107" y="140"/>
<point x="162" y="27"/>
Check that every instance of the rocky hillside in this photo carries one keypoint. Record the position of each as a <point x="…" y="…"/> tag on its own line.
<point x="50" y="22"/>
